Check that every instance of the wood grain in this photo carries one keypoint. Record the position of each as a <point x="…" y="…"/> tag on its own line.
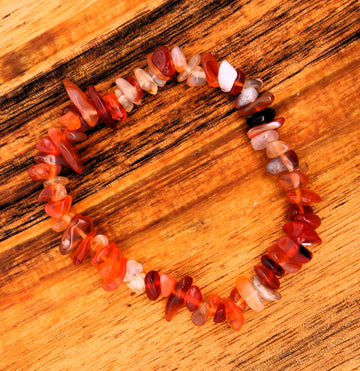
<point x="178" y="186"/>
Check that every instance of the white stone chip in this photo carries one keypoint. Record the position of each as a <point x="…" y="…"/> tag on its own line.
<point x="246" y="96"/>
<point x="137" y="284"/>
<point x="227" y="76"/>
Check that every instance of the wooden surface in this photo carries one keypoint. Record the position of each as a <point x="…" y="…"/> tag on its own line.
<point x="178" y="186"/>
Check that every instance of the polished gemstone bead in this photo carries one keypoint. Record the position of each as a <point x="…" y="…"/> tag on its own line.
<point x="57" y="180"/>
<point x="145" y="81"/>
<point x="101" y="239"/>
<point x="193" y="62"/>
<point x="293" y="179"/>
<point x="178" y="58"/>
<point x="110" y="266"/>
<point x="291" y="248"/>
<point x="234" y="316"/>
<point x="227" y="76"/>
<point x="52" y="192"/>
<point x="261" y="117"/>
<point x="45" y="145"/>
<point x="152" y="285"/>
<point x="56" y="209"/>
<point x="100" y="106"/>
<point x="259" y="104"/>
<point x="137" y="283"/>
<point x="113" y="281"/>
<point x="253" y="83"/>
<point x="81" y="102"/>
<point x="306" y="253"/>
<point x="137" y="86"/>
<point x="262" y="140"/>
<point x="133" y="268"/>
<point x="249" y="293"/>
<point x="98" y="243"/>
<point x="83" y="248"/>
<point x="177" y="300"/>
<point x="84" y="126"/>
<point x="78" y="228"/>
<point x="303" y="197"/>
<point x="238" y="83"/>
<point x="160" y="83"/>
<point x="288" y="264"/>
<point x="199" y="316"/>
<point x="117" y="111"/>
<point x="246" y="97"/>
<point x="173" y="304"/>
<point x="43" y="171"/>
<point x="105" y="255"/>
<point x="197" y="77"/>
<point x="128" y="90"/>
<point x="237" y="299"/>
<point x="265" y="292"/>
<point x="276" y="148"/>
<point x="128" y="106"/>
<point x="313" y="220"/>
<point x="50" y="159"/>
<point x="288" y="161"/>
<point x="270" y="264"/>
<point x="61" y="224"/>
<point x="75" y="136"/>
<point x="67" y="150"/>
<point x="296" y="209"/>
<point x="301" y="233"/>
<point x="273" y="125"/>
<point x="193" y="298"/>
<point x="172" y="307"/>
<point x="267" y="277"/>
<point x="214" y="301"/>
<point x="211" y="69"/>
<point x="70" y="121"/>
<point x="293" y="251"/>
<point x="220" y="314"/>
<point x="153" y="70"/>
<point x="235" y="295"/>
<point x="162" y="60"/>
<point x="167" y="285"/>
<point x="184" y="284"/>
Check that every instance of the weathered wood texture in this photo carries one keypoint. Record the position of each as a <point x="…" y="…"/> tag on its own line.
<point x="178" y="186"/>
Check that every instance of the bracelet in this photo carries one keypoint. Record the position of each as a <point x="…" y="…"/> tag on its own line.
<point x="80" y="239"/>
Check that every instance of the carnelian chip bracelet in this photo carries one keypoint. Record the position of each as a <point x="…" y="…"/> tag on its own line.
<point x="80" y="239"/>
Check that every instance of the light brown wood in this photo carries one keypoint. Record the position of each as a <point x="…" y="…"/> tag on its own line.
<point x="178" y="187"/>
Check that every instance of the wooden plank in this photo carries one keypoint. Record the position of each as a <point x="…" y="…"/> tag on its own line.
<point x="178" y="186"/>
